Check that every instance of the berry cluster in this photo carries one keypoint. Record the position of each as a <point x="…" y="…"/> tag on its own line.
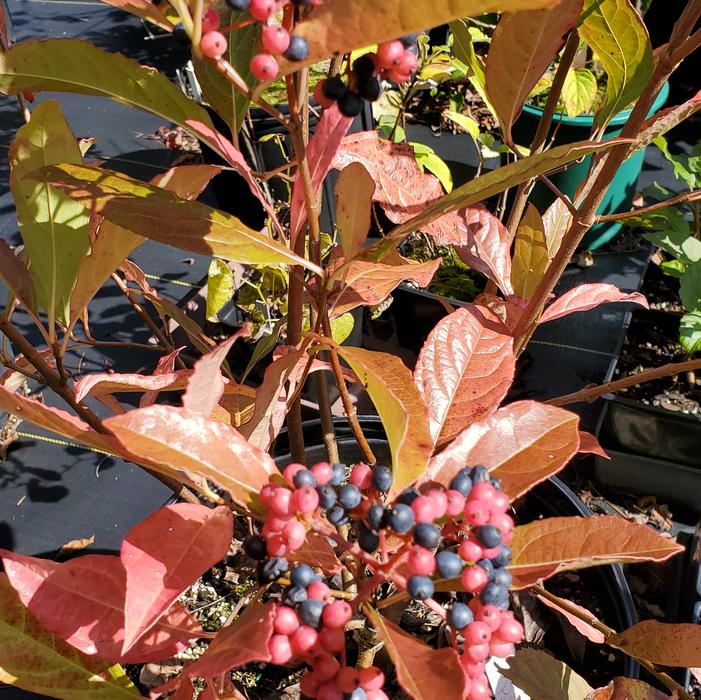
<point x="395" y="60"/>
<point x="462" y="532"/>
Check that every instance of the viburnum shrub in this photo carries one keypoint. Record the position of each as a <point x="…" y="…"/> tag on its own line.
<point x="330" y="548"/>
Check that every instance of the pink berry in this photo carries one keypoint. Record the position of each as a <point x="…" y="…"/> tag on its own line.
<point x="474" y="579"/>
<point x="213" y="44"/>
<point x="477" y="652"/>
<point x="473" y="670"/>
<point x="490" y="615"/>
<point x="455" y="502"/>
<point x="510" y="630"/>
<point x="294" y="534"/>
<point x="280" y="649"/>
<point x="286" y="620"/>
<point x="376" y="694"/>
<point x="477" y="633"/>
<point x="330" y="691"/>
<point x="306" y="499"/>
<point x="347" y="679"/>
<point x="483" y="491"/>
<point x="491" y="552"/>
<point x="499" y="503"/>
<point x="276" y="546"/>
<point x="440" y="503"/>
<point x="390" y="53"/>
<point x="275" y="39"/>
<point x="408" y="62"/>
<point x="361" y="476"/>
<point x="476" y="512"/>
<point x="337" y="614"/>
<point x="326" y="667"/>
<point x="371" y="678"/>
<point x="421" y="561"/>
<point x="506" y="537"/>
<point x="266" y="494"/>
<point x="503" y="521"/>
<point x="262" y="9"/>
<point x="210" y="21"/>
<point x="398" y="76"/>
<point x="500" y="649"/>
<point x="290" y="471"/>
<point x="422" y="506"/>
<point x="309" y="684"/>
<point x="323" y="471"/>
<point x="303" y="639"/>
<point x="281" y="503"/>
<point x="470" y="551"/>
<point x="480" y="689"/>
<point x="264" y="66"/>
<point x="332" y="639"/>
<point x="317" y="590"/>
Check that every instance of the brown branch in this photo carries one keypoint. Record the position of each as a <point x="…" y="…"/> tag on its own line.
<point x="592" y="393"/>
<point x="682" y="198"/>
<point x="558" y="193"/>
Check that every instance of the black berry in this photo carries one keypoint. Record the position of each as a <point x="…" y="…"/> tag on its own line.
<point x="337" y="515"/>
<point x="495" y="594"/>
<point x="480" y="473"/>
<point x="401" y="518"/>
<point x="273" y="568"/>
<point x="255" y="547"/>
<point x="427" y="535"/>
<point x="368" y="540"/>
<point x="487" y="566"/>
<point x="364" y="66"/>
<point x="488" y="536"/>
<point x="334" y="88"/>
<point x="409" y="40"/>
<point x="351" y="104"/>
<point x="377" y="516"/>
<point x="238" y="5"/>
<point x="370" y="88"/>
<point x="408" y="496"/>
<point x="296" y="595"/>
<point x="503" y="577"/>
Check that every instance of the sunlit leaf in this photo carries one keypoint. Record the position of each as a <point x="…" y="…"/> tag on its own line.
<point x="220" y="287"/>
<point x="317" y="552"/>
<point x="690" y="332"/>
<point x="662" y="643"/>
<point x="464" y="51"/>
<point x="628" y="689"/>
<point x="690" y="287"/>
<point x="354" y="191"/>
<point x="579" y="91"/>
<point x="145" y="9"/>
<point x="556" y="222"/>
<point x="589" y="296"/>
<point x="530" y="254"/>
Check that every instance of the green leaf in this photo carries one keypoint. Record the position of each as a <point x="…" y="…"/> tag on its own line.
<point x="677" y="241"/>
<point x="53" y="227"/>
<point x="616" y="33"/>
<point x="354" y="191"/>
<point x="467" y="124"/>
<point x="530" y="254"/>
<point x="464" y="51"/>
<point x="673" y="268"/>
<point x="220" y="287"/>
<point x="265" y="346"/>
<point x="428" y="160"/>
<point x="342" y="326"/>
<point x="71" y="65"/>
<point x="37" y="661"/>
<point x="690" y="332"/>
<point x="679" y="162"/>
<point x="579" y="91"/>
<point x="690" y="287"/>
<point x="229" y="103"/>
<point x="163" y="216"/>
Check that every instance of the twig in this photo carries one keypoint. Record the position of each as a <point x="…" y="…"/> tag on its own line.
<point x="558" y="193"/>
<point x="682" y="198"/>
<point x="591" y="393"/>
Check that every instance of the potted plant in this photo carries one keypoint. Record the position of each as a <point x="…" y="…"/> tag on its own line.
<point x="327" y="549"/>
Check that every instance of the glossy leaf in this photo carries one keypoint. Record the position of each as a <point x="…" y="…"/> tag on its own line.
<point x="530" y="254"/>
<point x="619" y="38"/>
<point x="15" y="275"/>
<point x="316" y="551"/>
<point x="661" y="643"/>
<point x="690" y="287"/>
<point x="690" y="332"/>
<point x="585" y="629"/>
<point x="522" y="47"/>
<point x="53" y="228"/>
<point x="163" y="216"/>
<point x="165" y="365"/>
<point x="165" y="554"/>
<point x="579" y="91"/>
<point x="628" y="689"/>
<point x="99" y="383"/>
<point x="186" y="441"/>
<point x="205" y="386"/>
<point x="398" y="402"/>
<point x="522" y="444"/>
<point x="589" y="296"/>
<point x="71" y="65"/>
<point x="354" y="191"/>
<point x="39" y="662"/>
<point x="220" y="287"/>
<point x="338" y="27"/>
<point x="145" y="9"/>
<point x="463" y="371"/>
<point x="540" y="675"/>
<point x="464" y="51"/>
<point x="545" y="547"/>
<point x="423" y="672"/>
<point x="320" y="152"/>
<point x="82" y="601"/>
<point x="590" y="445"/>
<point x="677" y="241"/>
<point x="556" y="222"/>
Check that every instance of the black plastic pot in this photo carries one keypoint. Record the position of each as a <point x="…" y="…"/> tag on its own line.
<point x="551" y="498"/>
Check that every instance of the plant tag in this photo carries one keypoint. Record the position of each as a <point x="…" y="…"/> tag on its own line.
<point x="502" y="687"/>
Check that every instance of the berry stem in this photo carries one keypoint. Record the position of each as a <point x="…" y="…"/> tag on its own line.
<point x="197" y="9"/>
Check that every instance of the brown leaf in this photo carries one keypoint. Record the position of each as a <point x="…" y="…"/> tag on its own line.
<point x="15" y="275"/>
<point x="588" y="444"/>
<point x="74" y="546"/>
<point x="592" y="634"/>
<point x="523" y="444"/>
<point x="588" y="296"/>
<point x="662" y="643"/>
<point x="530" y="254"/>
<point x="545" y="547"/>
<point x="354" y="191"/>
<point x="423" y="672"/>
<point x="143" y="9"/>
<point x="463" y="371"/>
<point x="628" y="689"/>
<point x="317" y="552"/>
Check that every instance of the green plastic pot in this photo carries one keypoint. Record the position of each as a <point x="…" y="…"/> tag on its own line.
<point x="619" y="196"/>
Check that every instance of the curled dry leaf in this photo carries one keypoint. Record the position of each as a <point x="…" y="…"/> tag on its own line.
<point x="588" y="444"/>
<point x="588" y="296"/>
<point x="628" y="689"/>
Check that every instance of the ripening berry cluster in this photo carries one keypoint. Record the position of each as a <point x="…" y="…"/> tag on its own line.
<point x="395" y="60"/>
<point x="461" y="532"/>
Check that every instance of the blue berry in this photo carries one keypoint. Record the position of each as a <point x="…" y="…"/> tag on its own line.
<point x="349" y="496"/>
<point x="382" y="477"/>
<point x="419" y="587"/>
<point x="449" y="564"/>
<point x="238" y="5"/>
<point x="339" y="474"/>
<point x="480" y="473"/>
<point x="368" y="540"/>
<point x="296" y="595"/>
<point x="459" y="616"/>
<point x="377" y="516"/>
<point x="503" y="577"/>
<point x="327" y="496"/>
<point x="401" y="518"/>
<point x="408" y="39"/>
<point x="504" y="556"/>
<point x="495" y="594"/>
<point x="427" y="535"/>
<point x="298" y="49"/>
<point x="310" y="612"/>
<point x="303" y="478"/>
<point x="303" y="575"/>
<point x="357" y="694"/>
<point x="255" y="547"/>
<point x="488" y="536"/>
<point x="487" y="566"/>
<point x="337" y="515"/>
<point x="495" y="482"/>
<point x="408" y="496"/>
<point x="462" y="482"/>
<point x="274" y="568"/>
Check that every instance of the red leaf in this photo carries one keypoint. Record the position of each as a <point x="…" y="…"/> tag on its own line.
<point x="330" y="130"/>
<point x="423" y="672"/>
<point x="14" y="272"/>
<point x="586" y="297"/>
<point x="545" y="547"/>
<point x="523" y="444"/>
<point x="196" y="445"/>
<point x="592" y="634"/>
<point x="105" y="383"/>
<point x="628" y="689"/>
<point x="205" y="387"/>
<point x="588" y="444"/>
<point x="464" y="370"/>
<point x="316" y="551"/>
<point x="165" y="364"/>
<point x="166" y="553"/>
<point x="82" y="601"/>
<point x="661" y="643"/>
